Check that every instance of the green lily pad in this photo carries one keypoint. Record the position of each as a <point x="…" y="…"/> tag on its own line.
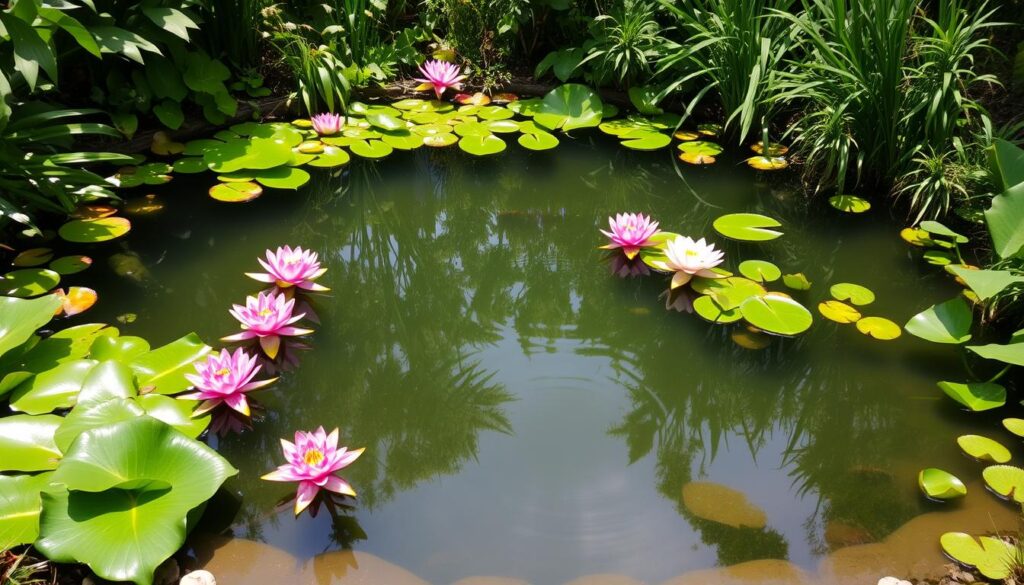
<point x="402" y="139"/>
<point x="747" y="227"/>
<point x="52" y="389"/>
<point x="20" y="505"/>
<point x="503" y="126"/>
<point x="472" y="129"/>
<point x="494" y="113"/>
<point x="568" y="107"/>
<point x="1014" y="425"/>
<point x="162" y="370"/>
<point x="778" y="315"/>
<point x="147" y="174"/>
<point x="28" y="282"/>
<point x="433" y="129"/>
<point x="281" y="178"/>
<point x="123" y="348"/>
<point x="122" y="514"/>
<point x="645" y="140"/>
<point x="796" y="281"/>
<point x="1010" y="353"/>
<point x="482" y="145"/>
<point x="21" y="318"/>
<point x="66" y="265"/>
<point x="1005" y="480"/>
<point x="879" y="328"/>
<point x="937" y="229"/>
<point x="940" y="485"/>
<point x="729" y="292"/>
<point x="760" y="270"/>
<point x="236" y="192"/>
<point x="706" y="307"/>
<point x="948" y="322"/>
<point x="371" y="149"/>
<point x="993" y="558"/>
<point x="26" y="442"/>
<point x="983" y="448"/>
<point x="977" y="396"/>
<point x="938" y="258"/>
<point x="767" y="163"/>
<point x="440" y="140"/>
<point x="987" y="283"/>
<point x="384" y="121"/>
<point x="839" y="312"/>
<point x="855" y="293"/>
<point x="332" y="156"/>
<point x="849" y="203"/>
<point x="32" y="257"/>
<point x="538" y="141"/>
<point x="100" y="229"/>
<point x="190" y="165"/>
<point x="701" y="147"/>
<point x="529" y="107"/>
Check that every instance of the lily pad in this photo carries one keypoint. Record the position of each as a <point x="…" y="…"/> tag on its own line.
<point x="162" y="370"/>
<point x="88" y="231"/>
<point x="937" y="229"/>
<point x="938" y="258"/>
<point x="776" y="314"/>
<point x="723" y="505"/>
<point x="986" y="283"/>
<point x="21" y="318"/>
<point x="20" y="505"/>
<point x="53" y="389"/>
<point x="701" y="147"/>
<point x="494" y="113"/>
<point x="706" y="307"/>
<point x="948" y="322"/>
<point x="879" y="328"/>
<point x="695" y="158"/>
<point x="977" y="396"/>
<point x="764" y="163"/>
<point x="371" y="149"/>
<point x="332" y="156"/>
<point x="568" y="107"/>
<point x="916" y="237"/>
<point x="855" y="293"/>
<point x="839" y="312"/>
<point x="686" y="135"/>
<point x="710" y="129"/>
<point x="645" y="140"/>
<point x="26" y="442"/>
<point x="993" y="558"/>
<point x="28" y="282"/>
<point x="503" y="126"/>
<point x="1005" y="480"/>
<point x="482" y="145"/>
<point x="281" y="178"/>
<point x="402" y="139"/>
<point x="849" y="203"/>
<point x="1014" y="425"/>
<point x="1010" y="353"/>
<point x="940" y="485"/>
<point x="384" y="121"/>
<point x="729" y="292"/>
<point x="538" y="141"/>
<point x="440" y="140"/>
<point x="760" y="270"/>
<point x="747" y="227"/>
<point x="236" y="192"/>
<point x="797" y="281"/>
<point x="147" y="174"/>
<point x="32" y="257"/>
<point x="528" y="107"/>
<point x="983" y="448"/>
<point x="772" y="150"/>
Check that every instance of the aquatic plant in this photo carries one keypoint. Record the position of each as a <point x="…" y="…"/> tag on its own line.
<point x="267" y="317"/>
<point x="225" y="378"/>
<point x="440" y="76"/>
<point x="313" y="460"/>
<point x="630" y="232"/>
<point x="689" y="258"/>
<point x="287" y="267"/>
<point x="327" y="124"/>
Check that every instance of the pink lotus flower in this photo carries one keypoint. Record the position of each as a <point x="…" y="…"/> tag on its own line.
<point x="267" y="317"/>
<point x="225" y="379"/>
<point x="630" y="231"/>
<point x="688" y="259"/>
<point x="313" y="460"/>
<point x="440" y="75"/>
<point x="327" y="124"/>
<point x="287" y="267"/>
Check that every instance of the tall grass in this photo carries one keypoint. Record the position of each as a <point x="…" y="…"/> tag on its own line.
<point x="737" y="48"/>
<point x="232" y="29"/>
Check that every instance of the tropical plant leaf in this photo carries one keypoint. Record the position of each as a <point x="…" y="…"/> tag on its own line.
<point x="977" y="396"/>
<point x="948" y="322"/>
<point x="162" y="370"/>
<point x="27" y="444"/>
<point x="19" y="319"/>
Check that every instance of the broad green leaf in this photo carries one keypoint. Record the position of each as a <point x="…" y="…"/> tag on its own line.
<point x="983" y="448"/>
<point x="855" y="293"/>
<point x="706" y="307"/>
<point x="839" y="312"/>
<point x="993" y="558"/>
<point x="1005" y="218"/>
<point x="108" y="380"/>
<point x="204" y="74"/>
<point x="162" y="370"/>
<point x="776" y="314"/>
<point x="948" y="322"/>
<point x="646" y="140"/>
<point x="849" y="203"/>
<point x="384" y="121"/>
<point x="52" y="389"/>
<point x="796" y="281"/>
<point x="729" y="292"/>
<point x="1006" y="162"/>
<point x="538" y="141"/>
<point x="20" y="505"/>
<point x="332" y="156"/>
<point x="977" y="396"/>
<point x="126" y="514"/>
<point x="1010" y="353"/>
<point x="1014" y="425"/>
<point x="568" y="107"/>
<point x="987" y="283"/>
<point x="748" y="227"/>
<point x="28" y="282"/>
<point x="760" y="270"/>
<point x="371" y="148"/>
<point x="1005" y="480"/>
<point x="122" y="349"/>
<point x="233" y="192"/>
<point x="175" y="412"/>
<point x="96" y="415"/>
<point x="171" y="20"/>
<point x="940" y="485"/>
<point x="30" y="50"/>
<point x="100" y="229"/>
<point x="482" y="145"/>
<point x="19" y="319"/>
<point x="937" y="229"/>
<point x="282" y="177"/>
<point x="73" y="27"/>
<point x="26" y="442"/>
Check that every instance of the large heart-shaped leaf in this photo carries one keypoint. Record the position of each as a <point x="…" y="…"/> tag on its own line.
<point x="977" y="396"/>
<point x="1005" y="480"/>
<point x="987" y="283"/>
<point x="1006" y="161"/>
<point x="52" y="389"/>
<point x="19" y="319"/>
<point x="747" y="227"/>
<point x="1005" y="218"/>
<point x="162" y="371"/>
<point x="983" y="448"/>
<point x="776" y="314"/>
<point x="108" y="380"/>
<point x="27" y="444"/>
<point x="20" y="504"/>
<point x="568" y="107"/>
<point x="948" y="322"/>
<point x="126" y="514"/>
<point x="1010" y="353"/>
<point x="993" y="558"/>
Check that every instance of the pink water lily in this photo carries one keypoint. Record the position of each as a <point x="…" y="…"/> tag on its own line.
<point x="440" y="75"/>
<point x="267" y="317"/>
<point x="688" y="258"/>
<point x="630" y="231"/>
<point x="287" y="267"/>
<point x="225" y="378"/>
<point x="313" y="460"/>
<point x="327" y="124"/>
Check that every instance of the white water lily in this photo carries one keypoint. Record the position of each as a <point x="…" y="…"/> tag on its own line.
<point x="688" y="258"/>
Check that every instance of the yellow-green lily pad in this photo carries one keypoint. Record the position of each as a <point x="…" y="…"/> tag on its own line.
<point x="28" y="282"/>
<point x="88" y="231"/>
<point x="236" y="192"/>
<point x="940" y="485"/>
<point x="839" y="312"/>
<point x="879" y="328"/>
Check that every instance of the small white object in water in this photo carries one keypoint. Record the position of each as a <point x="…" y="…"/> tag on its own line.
<point x="203" y="578"/>
<point x="893" y="581"/>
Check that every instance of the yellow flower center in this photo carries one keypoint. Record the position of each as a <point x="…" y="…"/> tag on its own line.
<point x="223" y="372"/>
<point x="266" y="312"/>
<point x="314" y="457"/>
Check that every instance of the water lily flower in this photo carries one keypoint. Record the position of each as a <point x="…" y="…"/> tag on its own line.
<point x="440" y="75"/>
<point x="689" y="258"/>
<point x="267" y="317"/>
<point x="287" y="267"/>
<point x="327" y="124"/>
<point x="630" y="231"/>
<point x="225" y="378"/>
<point x="313" y="460"/>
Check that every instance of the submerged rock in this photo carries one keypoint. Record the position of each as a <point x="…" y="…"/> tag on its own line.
<point x="762" y="572"/>
<point x="199" y="578"/>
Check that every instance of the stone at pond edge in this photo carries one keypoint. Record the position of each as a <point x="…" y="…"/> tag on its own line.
<point x="722" y="504"/>
<point x="199" y="577"/>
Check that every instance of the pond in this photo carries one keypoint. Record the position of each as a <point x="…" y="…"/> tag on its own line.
<point x="528" y="414"/>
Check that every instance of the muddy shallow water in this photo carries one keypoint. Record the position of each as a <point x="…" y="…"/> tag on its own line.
<point x="531" y="416"/>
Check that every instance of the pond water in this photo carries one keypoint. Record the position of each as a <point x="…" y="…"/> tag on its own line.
<point x="526" y="413"/>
